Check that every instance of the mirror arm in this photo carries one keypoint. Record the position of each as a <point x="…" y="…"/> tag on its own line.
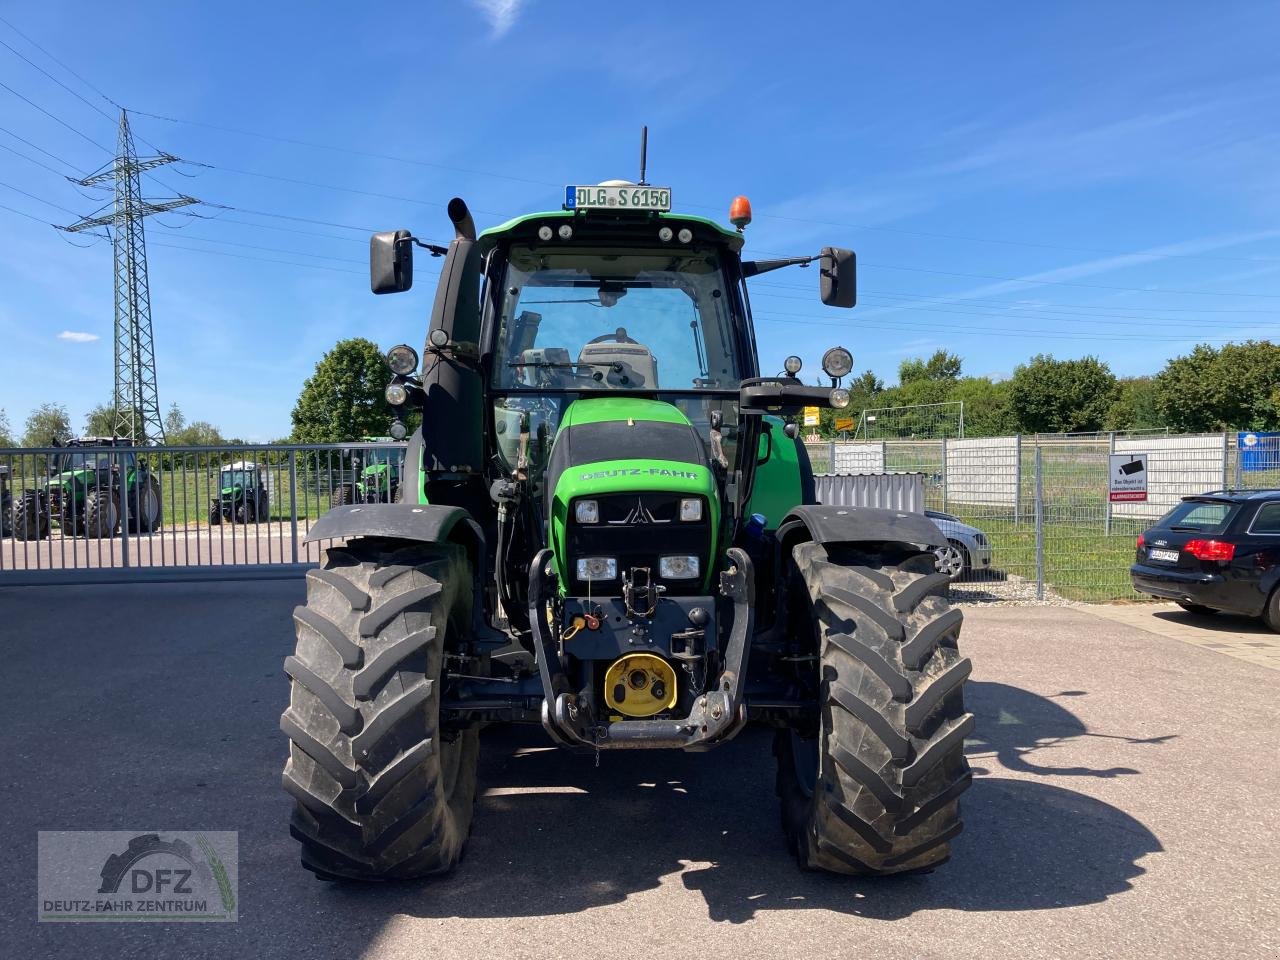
<point x="433" y="248"/>
<point x="751" y="268"/>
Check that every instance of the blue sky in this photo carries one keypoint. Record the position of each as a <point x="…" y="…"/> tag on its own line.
<point x="1125" y="152"/>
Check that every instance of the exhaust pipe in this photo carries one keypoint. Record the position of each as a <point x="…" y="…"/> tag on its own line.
<point x="464" y="228"/>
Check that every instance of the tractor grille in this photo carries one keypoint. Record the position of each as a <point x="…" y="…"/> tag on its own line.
<point x="636" y="529"/>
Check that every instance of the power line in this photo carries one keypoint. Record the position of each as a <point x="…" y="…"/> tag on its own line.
<point x="244" y="256"/>
<point x="29" y="216"/>
<point x="252" y="246"/>
<point x="37" y="106"/>
<point x="32" y="196"/>
<point x="37" y="147"/>
<point x="60" y="63"/>
<point x="91" y="106"/>
<point x="38" y="163"/>
<point x="1070" y="283"/>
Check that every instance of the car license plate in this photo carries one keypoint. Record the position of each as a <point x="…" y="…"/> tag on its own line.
<point x="1168" y="556"/>
<point x="629" y="197"/>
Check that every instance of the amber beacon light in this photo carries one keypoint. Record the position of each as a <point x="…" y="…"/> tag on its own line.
<point x="740" y="212"/>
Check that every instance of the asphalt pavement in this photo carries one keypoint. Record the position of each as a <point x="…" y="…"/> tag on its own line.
<point x="1125" y="805"/>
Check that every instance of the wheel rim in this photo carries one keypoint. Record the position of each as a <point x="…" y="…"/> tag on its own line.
<point x="150" y="507"/>
<point x="949" y="560"/>
<point x="804" y="760"/>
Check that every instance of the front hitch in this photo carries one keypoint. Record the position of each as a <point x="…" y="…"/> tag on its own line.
<point x="717" y="715"/>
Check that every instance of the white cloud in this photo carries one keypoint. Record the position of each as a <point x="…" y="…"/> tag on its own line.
<point x="76" y="336"/>
<point x="501" y="14"/>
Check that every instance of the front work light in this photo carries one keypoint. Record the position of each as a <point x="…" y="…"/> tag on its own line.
<point x="792" y="365"/>
<point x="691" y="509"/>
<point x="397" y="394"/>
<point x="839" y="398"/>
<point x="597" y="568"/>
<point x="678" y="568"/>
<point x="837" y="362"/>
<point x="586" y="511"/>
<point x="402" y="359"/>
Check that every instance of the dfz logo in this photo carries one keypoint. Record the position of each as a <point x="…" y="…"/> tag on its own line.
<point x="160" y="880"/>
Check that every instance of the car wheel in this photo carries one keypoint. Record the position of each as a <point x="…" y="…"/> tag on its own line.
<point x="953" y="560"/>
<point x="1271" y="615"/>
<point x="1197" y="608"/>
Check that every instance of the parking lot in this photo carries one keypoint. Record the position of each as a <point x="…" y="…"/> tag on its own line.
<point x="1124" y="804"/>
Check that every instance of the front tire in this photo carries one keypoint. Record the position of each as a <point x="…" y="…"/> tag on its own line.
<point x="30" y="521"/>
<point x="874" y="789"/>
<point x="144" y="507"/>
<point x="953" y="560"/>
<point x="101" y="514"/>
<point x="382" y="791"/>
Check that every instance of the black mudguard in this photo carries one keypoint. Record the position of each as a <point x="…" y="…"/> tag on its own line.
<point x="834" y="524"/>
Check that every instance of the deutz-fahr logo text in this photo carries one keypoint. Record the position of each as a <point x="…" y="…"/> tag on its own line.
<point x="642" y="472"/>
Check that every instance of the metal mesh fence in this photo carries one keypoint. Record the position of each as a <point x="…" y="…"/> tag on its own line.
<point x="1033" y="516"/>
<point x="83" y="508"/>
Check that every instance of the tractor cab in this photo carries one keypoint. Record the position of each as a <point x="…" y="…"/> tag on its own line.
<point x="244" y="493"/>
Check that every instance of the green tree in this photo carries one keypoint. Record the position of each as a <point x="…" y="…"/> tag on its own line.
<point x="174" y="422"/>
<point x="941" y="366"/>
<point x="1135" y="405"/>
<point x="48" y="425"/>
<point x="988" y="411"/>
<point x="1061" y="396"/>
<point x="1226" y="388"/>
<point x="6" y="431"/>
<point x="197" y="433"/>
<point x="100" y="421"/>
<point x="345" y="398"/>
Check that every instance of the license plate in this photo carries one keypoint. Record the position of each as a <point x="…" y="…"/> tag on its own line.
<point x="1168" y="556"/>
<point x="629" y="197"/>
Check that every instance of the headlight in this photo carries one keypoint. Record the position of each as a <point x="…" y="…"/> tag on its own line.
<point x="597" y="568"/>
<point x="397" y="394"/>
<point x="839" y="398"/>
<point x="837" y="362"/>
<point x="586" y="511"/>
<point x="402" y="359"/>
<point x="678" y="568"/>
<point x="691" y="509"/>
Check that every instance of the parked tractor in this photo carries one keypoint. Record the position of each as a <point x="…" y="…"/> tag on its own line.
<point x="244" y="494"/>
<point x="90" y="486"/>
<point x="609" y="529"/>
<point x="376" y="475"/>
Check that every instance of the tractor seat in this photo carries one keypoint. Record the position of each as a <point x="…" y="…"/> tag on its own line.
<point x="639" y="366"/>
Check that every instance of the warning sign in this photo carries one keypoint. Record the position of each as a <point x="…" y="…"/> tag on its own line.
<point x="844" y="423"/>
<point x="811" y="416"/>
<point x="1128" y="477"/>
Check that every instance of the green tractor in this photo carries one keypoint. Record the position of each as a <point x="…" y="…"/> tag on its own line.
<point x="609" y="529"/>
<point x="89" y="488"/>
<point x="244" y="494"/>
<point x="377" y="475"/>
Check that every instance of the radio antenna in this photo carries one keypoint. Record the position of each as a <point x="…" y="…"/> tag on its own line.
<point x="644" y="151"/>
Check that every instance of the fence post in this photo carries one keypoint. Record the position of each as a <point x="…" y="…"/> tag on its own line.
<point x="293" y="501"/>
<point x="1106" y="526"/>
<point x="1017" y="478"/>
<point x="1039" y="528"/>
<point x="1226" y="454"/>
<point x="831" y="456"/>
<point x="120" y="476"/>
<point x="944" y="473"/>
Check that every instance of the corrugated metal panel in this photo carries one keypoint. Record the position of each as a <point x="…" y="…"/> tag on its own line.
<point x="903" y="492"/>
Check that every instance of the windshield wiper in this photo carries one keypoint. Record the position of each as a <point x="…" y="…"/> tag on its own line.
<point x="613" y="365"/>
<point x="1191" y="528"/>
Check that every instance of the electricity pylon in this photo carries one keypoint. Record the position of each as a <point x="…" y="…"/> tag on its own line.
<point x="136" y="401"/>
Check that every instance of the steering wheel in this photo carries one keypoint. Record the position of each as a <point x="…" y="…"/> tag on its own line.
<point x="618" y="336"/>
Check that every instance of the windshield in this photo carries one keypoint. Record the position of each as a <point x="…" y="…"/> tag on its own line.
<point x="236" y="478"/>
<point x="89" y="461"/>
<point x="594" y="319"/>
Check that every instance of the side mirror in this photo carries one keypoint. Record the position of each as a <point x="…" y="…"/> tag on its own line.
<point x="391" y="261"/>
<point x="839" y="270"/>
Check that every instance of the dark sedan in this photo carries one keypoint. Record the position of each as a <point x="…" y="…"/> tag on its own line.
<point x="1217" y="551"/>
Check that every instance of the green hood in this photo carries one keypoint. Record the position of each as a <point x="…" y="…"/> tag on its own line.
<point x="610" y="446"/>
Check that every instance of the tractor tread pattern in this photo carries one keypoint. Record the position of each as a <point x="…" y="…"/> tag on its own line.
<point x="891" y="743"/>
<point x="366" y="762"/>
